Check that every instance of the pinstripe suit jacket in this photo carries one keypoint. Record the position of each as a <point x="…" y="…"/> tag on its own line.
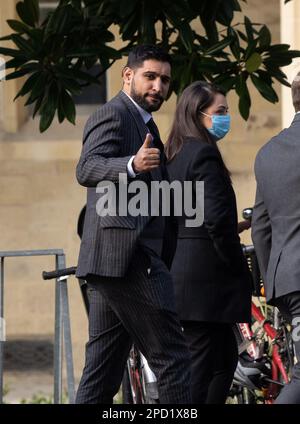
<point x="112" y="135"/>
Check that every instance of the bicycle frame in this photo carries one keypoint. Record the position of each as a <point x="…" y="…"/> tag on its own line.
<point x="277" y="364"/>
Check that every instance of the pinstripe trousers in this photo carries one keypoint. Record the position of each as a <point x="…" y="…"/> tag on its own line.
<point x="138" y="308"/>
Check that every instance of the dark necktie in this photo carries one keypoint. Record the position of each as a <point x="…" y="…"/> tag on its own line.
<point x="170" y="232"/>
<point x="157" y="143"/>
<point x="155" y="134"/>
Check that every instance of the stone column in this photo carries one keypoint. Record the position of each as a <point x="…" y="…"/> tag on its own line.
<point x="13" y="113"/>
<point x="290" y="34"/>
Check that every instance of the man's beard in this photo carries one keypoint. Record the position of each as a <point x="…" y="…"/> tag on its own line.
<point x="142" y="101"/>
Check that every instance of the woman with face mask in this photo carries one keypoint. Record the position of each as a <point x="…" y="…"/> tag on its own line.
<point x="211" y="279"/>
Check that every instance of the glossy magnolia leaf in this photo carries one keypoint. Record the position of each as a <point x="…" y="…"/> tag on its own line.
<point x="226" y="82"/>
<point x="26" y="13"/>
<point x="28" y="85"/>
<point x="17" y="74"/>
<point x="249" y="29"/>
<point x="71" y="85"/>
<point x="11" y="52"/>
<point x="37" y="105"/>
<point x="15" y="63"/>
<point x="265" y="89"/>
<point x="49" y="106"/>
<point x="253" y="63"/>
<point x="264" y="37"/>
<point x="33" y="7"/>
<point x="38" y="88"/>
<point x="235" y="44"/>
<point x="186" y="35"/>
<point x="244" y="97"/>
<point x="60" y="113"/>
<point x="17" y="26"/>
<point x="23" y="44"/>
<point x="219" y="46"/>
<point x="46" y="119"/>
<point x="68" y="106"/>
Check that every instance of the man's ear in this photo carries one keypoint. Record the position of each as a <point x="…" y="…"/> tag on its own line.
<point x="127" y="75"/>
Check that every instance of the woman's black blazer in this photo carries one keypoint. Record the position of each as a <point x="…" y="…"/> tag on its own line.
<point x="211" y="277"/>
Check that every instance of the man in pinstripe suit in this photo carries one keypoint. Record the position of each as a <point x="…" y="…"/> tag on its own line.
<point x="124" y="259"/>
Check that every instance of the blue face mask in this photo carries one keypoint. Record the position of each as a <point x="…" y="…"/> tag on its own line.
<point x="220" y="125"/>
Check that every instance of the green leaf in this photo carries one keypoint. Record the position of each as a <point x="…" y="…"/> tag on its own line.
<point x="249" y="29"/>
<point x="17" y="26"/>
<point x="46" y="119"/>
<point x="278" y="48"/>
<point x="24" y="45"/>
<point x="186" y="35"/>
<point x="49" y="106"/>
<point x="281" y="78"/>
<point x="242" y="36"/>
<point x="265" y="89"/>
<point x="25" y="14"/>
<point x="253" y="63"/>
<point x="11" y="52"/>
<point x="244" y="97"/>
<point x="28" y="85"/>
<point x="84" y="76"/>
<point x="235" y="44"/>
<point x="33" y="7"/>
<point x="68" y="106"/>
<point x="38" y="89"/>
<point x="60" y="113"/>
<point x="17" y="74"/>
<point x="219" y="46"/>
<point x="71" y="85"/>
<point x="15" y="63"/>
<point x="38" y="105"/>
<point x="264" y="37"/>
<point x="227" y="83"/>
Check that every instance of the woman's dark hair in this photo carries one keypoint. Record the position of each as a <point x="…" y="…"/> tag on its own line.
<point x="187" y="123"/>
<point x="143" y="52"/>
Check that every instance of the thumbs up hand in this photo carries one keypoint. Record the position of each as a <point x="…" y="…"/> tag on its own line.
<point x="147" y="158"/>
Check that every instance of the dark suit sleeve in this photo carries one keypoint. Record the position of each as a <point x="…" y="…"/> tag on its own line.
<point x="100" y="157"/>
<point x="220" y="216"/>
<point x="261" y="227"/>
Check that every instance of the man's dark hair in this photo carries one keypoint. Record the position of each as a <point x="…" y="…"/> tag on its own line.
<point x="296" y="92"/>
<point x="139" y="54"/>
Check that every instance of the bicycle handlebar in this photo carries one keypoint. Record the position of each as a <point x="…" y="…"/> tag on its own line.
<point x="59" y="273"/>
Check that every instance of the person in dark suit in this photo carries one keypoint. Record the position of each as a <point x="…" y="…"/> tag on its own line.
<point x="124" y="257"/>
<point x="276" y="230"/>
<point x="211" y="277"/>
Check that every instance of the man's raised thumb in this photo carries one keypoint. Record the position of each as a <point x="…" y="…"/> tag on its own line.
<point x="148" y="140"/>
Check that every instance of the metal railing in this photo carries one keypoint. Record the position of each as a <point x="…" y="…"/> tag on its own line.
<point x="62" y="328"/>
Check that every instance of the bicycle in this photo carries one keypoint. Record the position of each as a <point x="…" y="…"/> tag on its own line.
<point x="266" y="355"/>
